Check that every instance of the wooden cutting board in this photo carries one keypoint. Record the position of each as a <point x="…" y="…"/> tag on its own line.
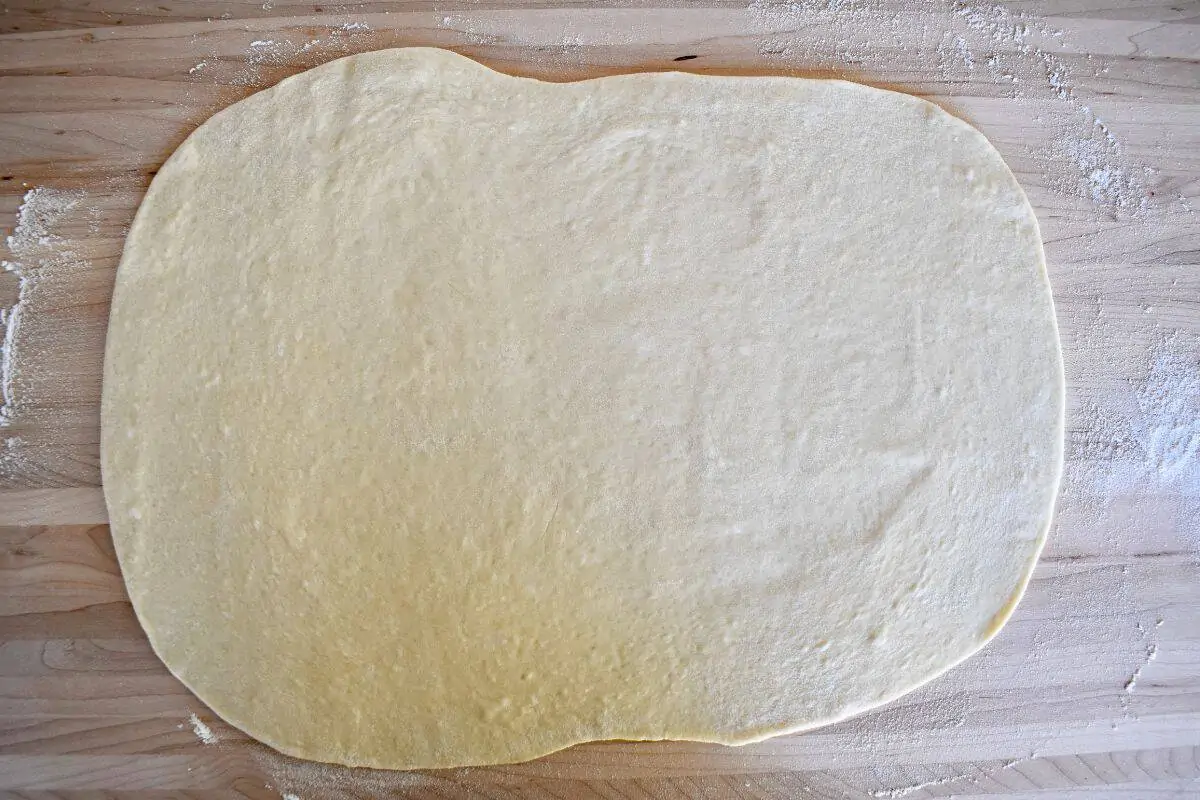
<point x="1093" y="690"/>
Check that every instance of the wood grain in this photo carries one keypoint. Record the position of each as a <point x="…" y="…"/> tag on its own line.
<point x="1093" y="690"/>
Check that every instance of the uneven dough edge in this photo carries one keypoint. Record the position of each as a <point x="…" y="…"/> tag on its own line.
<point x="998" y="620"/>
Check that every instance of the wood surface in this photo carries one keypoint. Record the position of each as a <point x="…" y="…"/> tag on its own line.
<point x="1093" y="689"/>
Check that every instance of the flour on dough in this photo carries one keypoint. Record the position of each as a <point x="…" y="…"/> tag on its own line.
<point x="454" y="418"/>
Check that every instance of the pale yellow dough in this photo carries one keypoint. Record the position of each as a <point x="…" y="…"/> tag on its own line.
<point x="453" y="418"/>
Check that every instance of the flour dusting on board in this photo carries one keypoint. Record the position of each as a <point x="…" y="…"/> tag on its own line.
<point x="1151" y="655"/>
<point x="1013" y="51"/>
<point x="1086" y="158"/>
<point x="44" y="260"/>
<point x="1166" y="425"/>
<point x="905" y="791"/>
<point x="1147" y="438"/>
<point x="282" y="53"/>
<point x="982" y="774"/>
<point x="35" y="247"/>
<point x="203" y="732"/>
<point x="293" y="777"/>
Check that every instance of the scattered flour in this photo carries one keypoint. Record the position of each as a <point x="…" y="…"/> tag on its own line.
<point x="977" y="777"/>
<point x="35" y="248"/>
<point x="1132" y="471"/>
<point x="1166" y="424"/>
<point x="41" y="208"/>
<point x="475" y="32"/>
<point x="296" y="778"/>
<point x="1146" y="439"/>
<point x="202" y="731"/>
<point x="1151" y="654"/>
<point x="280" y="51"/>
<point x="1085" y="159"/>
<point x="905" y="791"/>
<point x="1012" y="50"/>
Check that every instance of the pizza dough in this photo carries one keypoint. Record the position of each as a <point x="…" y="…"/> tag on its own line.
<point x="453" y="418"/>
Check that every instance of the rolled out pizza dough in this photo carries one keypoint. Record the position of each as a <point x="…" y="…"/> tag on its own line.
<point x="453" y="418"/>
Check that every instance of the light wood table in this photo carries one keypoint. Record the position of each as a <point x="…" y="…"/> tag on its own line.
<point x="1093" y="690"/>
